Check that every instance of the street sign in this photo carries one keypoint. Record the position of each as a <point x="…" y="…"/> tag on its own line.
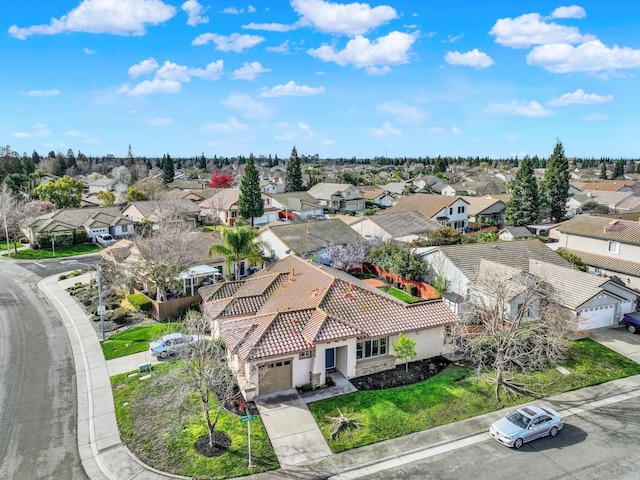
<point x="248" y="418"/>
<point x="101" y="309"/>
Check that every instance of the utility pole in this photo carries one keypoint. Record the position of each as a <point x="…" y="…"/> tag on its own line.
<point x="101" y="308"/>
<point x="6" y="232"/>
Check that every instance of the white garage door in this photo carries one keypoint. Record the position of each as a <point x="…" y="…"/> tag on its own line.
<point x="275" y="376"/>
<point x="597" y="317"/>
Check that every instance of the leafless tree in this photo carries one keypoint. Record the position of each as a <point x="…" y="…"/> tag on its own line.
<point x="17" y="213"/>
<point x="511" y="324"/>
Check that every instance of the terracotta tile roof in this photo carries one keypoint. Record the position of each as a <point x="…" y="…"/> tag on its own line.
<point x="614" y="264"/>
<point x="604" y="228"/>
<point x="608" y="186"/>
<point x="309" y="304"/>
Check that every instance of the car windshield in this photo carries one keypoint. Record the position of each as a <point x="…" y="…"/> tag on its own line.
<point x="518" y="419"/>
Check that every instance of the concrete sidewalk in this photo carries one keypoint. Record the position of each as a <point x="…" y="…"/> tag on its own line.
<point x="105" y="457"/>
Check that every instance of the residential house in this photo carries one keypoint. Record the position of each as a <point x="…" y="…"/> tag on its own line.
<point x="338" y="196"/>
<point x="93" y="221"/>
<point x="378" y="196"/>
<point x="403" y="226"/>
<point x="430" y="184"/>
<point x="106" y="184"/>
<point x="485" y="210"/>
<point x="295" y="322"/>
<point x="222" y="207"/>
<point x="605" y="186"/>
<point x="299" y="205"/>
<point x="183" y="213"/>
<point x="447" y="211"/>
<point x="306" y="239"/>
<point x="268" y="187"/>
<point x="180" y="194"/>
<point x="610" y="247"/>
<point x="509" y="234"/>
<point x="614" y="201"/>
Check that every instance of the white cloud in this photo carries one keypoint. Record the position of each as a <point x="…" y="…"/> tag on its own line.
<point x="386" y="130"/>
<point x="145" y="67"/>
<point x="273" y="27"/>
<point x="591" y="56"/>
<point x="40" y="130"/>
<point x="518" y="109"/>
<point x="392" y="49"/>
<point x="579" y="97"/>
<point x="401" y="112"/>
<point x="159" y="122"/>
<point x="75" y="133"/>
<point x="232" y="125"/>
<point x="173" y="71"/>
<point x="595" y="117"/>
<point x="251" y="9"/>
<point x="282" y="48"/>
<point x="530" y="29"/>
<point x="290" y="89"/>
<point x="231" y="43"/>
<point x="249" y="71"/>
<point x="88" y="51"/>
<point x="103" y="16"/>
<point x="346" y="19"/>
<point x="304" y="126"/>
<point x="473" y="58"/>
<point x="194" y="11"/>
<point x="246" y="105"/>
<point x="574" y="11"/>
<point x="456" y="130"/>
<point x="150" y="87"/>
<point x="42" y="93"/>
<point x="213" y="71"/>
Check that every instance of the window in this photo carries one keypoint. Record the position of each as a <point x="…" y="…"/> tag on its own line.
<point x="371" y="348"/>
<point x="461" y="209"/>
<point x="305" y="355"/>
<point x="451" y="211"/>
<point x="614" y="247"/>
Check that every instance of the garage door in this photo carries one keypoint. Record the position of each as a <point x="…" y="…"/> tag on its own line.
<point x="276" y="376"/>
<point x="597" y="317"/>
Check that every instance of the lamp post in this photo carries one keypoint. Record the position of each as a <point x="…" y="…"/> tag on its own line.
<point x="6" y="233"/>
<point x="101" y="308"/>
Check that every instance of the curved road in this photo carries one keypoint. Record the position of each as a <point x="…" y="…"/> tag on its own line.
<point x="38" y="405"/>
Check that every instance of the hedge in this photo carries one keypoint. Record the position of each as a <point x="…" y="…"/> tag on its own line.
<point x="140" y="301"/>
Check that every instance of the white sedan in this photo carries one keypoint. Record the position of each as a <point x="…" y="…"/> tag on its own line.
<point x="171" y="344"/>
<point x="526" y="424"/>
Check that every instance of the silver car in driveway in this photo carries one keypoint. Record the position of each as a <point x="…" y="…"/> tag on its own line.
<point x="526" y="424"/>
<point x="171" y="344"/>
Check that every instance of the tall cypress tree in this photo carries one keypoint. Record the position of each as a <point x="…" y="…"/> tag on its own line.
<point x="556" y="183"/>
<point x="250" y="203"/>
<point x="523" y="207"/>
<point x="168" y="169"/>
<point x="293" y="174"/>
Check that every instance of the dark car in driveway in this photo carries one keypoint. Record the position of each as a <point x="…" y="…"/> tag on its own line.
<point x="632" y="322"/>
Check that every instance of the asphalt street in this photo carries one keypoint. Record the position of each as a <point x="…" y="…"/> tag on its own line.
<point x="38" y="406"/>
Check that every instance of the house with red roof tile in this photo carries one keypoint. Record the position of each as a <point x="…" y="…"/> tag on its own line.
<point x="295" y="321"/>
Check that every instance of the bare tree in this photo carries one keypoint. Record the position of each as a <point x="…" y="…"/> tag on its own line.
<point x="511" y="324"/>
<point x="347" y="257"/>
<point x="17" y="213"/>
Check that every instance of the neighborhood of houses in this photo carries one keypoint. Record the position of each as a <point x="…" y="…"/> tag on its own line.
<point x="301" y="317"/>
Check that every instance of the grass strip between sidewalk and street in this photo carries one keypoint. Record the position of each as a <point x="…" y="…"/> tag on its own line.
<point x="61" y="252"/>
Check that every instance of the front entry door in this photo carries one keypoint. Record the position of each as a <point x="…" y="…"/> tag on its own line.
<point x="330" y="358"/>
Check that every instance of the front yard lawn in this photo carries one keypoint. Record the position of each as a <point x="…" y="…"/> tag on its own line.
<point x="163" y="436"/>
<point x="135" y="339"/>
<point x="456" y="394"/>
<point x="60" y="252"/>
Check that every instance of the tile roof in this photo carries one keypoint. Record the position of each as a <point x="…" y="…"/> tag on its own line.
<point x="467" y="257"/>
<point x="604" y="228"/>
<point x="614" y="264"/>
<point x="428" y="204"/>
<point x="314" y="304"/>
<point x="607" y="185"/>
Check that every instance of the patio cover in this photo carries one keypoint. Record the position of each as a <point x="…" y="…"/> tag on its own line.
<point x="196" y="272"/>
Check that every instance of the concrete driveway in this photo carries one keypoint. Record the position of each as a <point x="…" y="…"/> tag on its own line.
<point x="619" y="340"/>
<point x="294" y="434"/>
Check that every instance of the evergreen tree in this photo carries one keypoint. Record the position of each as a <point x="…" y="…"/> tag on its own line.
<point x="523" y="207"/>
<point x="603" y="171"/>
<point x="202" y="162"/>
<point x="167" y="168"/>
<point x="250" y="203"/>
<point x="556" y="183"/>
<point x="618" y="169"/>
<point x="293" y="174"/>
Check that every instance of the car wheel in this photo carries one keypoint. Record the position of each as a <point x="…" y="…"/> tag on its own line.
<point x="554" y="431"/>
<point x="164" y="354"/>
<point x="518" y="443"/>
<point x="631" y="328"/>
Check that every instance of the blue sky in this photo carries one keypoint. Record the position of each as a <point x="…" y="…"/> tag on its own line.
<point x="395" y="78"/>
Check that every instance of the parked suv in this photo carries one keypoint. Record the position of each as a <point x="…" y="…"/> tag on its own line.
<point x="104" y="240"/>
<point x="632" y="322"/>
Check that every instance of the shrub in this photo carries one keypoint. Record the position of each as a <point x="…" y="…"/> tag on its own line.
<point x="119" y="316"/>
<point x="194" y="306"/>
<point x="112" y="305"/>
<point x="140" y="301"/>
<point x="411" y="289"/>
<point x="62" y="277"/>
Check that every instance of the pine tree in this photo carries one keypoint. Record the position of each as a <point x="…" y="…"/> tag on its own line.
<point x="618" y="169"/>
<point x="168" y="169"/>
<point x="293" y="174"/>
<point x="523" y="207"/>
<point x="250" y="203"/>
<point x="556" y="183"/>
<point x="603" y="171"/>
<point x="202" y="162"/>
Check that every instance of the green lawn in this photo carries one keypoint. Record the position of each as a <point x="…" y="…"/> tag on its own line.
<point x="60" y="252"/>
<point x="402" y="295"/>
<point x="12" y="246"/>
<point x="135" y="339"/>
<point x="163" y="436"/>
<point x="456" y="394"/>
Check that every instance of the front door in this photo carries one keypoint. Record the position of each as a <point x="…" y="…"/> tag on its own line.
<point x="330" y="358"/>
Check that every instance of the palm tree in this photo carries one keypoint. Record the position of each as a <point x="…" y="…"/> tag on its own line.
<point x="238" y="243"/>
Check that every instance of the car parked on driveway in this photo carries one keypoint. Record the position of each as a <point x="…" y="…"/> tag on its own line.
<point x="171" y="344"/>
<point x="632" y="322"/>
<point x="526" y="424"/>
<point x="105" y="240"/>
